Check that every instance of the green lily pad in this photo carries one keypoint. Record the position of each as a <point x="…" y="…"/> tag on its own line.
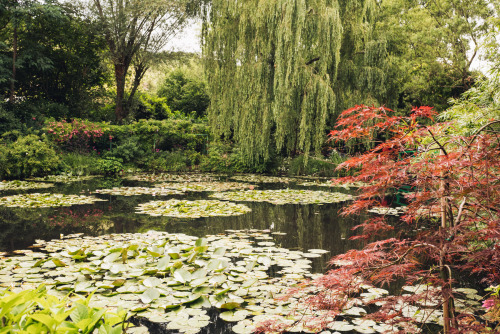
<point x="23" y="185"/>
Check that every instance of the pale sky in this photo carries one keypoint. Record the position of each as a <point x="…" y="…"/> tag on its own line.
<point x="187" y="40"/>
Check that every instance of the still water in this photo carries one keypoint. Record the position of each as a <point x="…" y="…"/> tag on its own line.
<point x="310" y="226"/>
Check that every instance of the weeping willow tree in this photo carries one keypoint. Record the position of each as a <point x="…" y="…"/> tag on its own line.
<point x="271" y="65"/>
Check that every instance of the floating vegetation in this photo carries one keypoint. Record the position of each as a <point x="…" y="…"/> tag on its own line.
<point x="284" y="196"/>
<point x="23" y="185"/>
<point x="176" y="278"/>
<point x="173" y="177"/>
<point x="192" y="209"/>
<point x="382" y="210"/>
<point x="64" y="178"/>
<point x="329" y="183"/>
<point x="255" y="178"/>
<point x="46" y="200"/>
<point x="166" y="277"/>
<point x="207" y="186"/>
<point x="130" y="191"/>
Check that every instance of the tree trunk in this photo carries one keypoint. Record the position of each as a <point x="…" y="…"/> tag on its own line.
<point x="120" y="72"/>
<point x="14" y="57"/>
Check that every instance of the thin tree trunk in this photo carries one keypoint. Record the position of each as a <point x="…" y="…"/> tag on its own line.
<point x="120" y="72"/>
<point x="449" y="320"/>
<point x="14" y="57"/>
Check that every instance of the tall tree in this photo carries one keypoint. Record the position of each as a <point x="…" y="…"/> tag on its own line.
<point x="270" y="66"/>
<point x="133" y="30"/>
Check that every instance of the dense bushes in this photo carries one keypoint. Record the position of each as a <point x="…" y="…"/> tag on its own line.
<point x="30" y="155"/>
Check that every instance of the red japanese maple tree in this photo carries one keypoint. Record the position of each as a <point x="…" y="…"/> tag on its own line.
<point x="450" y="225"/>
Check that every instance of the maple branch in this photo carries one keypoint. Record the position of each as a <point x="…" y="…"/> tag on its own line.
<point x="480" y="130"/>
<point x="436" y="141"/>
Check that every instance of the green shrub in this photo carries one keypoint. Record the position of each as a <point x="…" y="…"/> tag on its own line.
<point x="28" y="156"/>
<point x="185" y="91"/>
<point x="314" y="166"/>
<point x="110" y="166"/>
<point x="146" y="106"/>
<point x="79" y="164"/>
<point x="168" y="162"/>
<point x="128" y="149"/>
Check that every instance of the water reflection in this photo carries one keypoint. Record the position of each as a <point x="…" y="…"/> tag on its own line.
<point x="306" y="226"/>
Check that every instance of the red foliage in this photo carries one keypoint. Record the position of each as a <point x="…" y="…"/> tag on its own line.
<point x="451" y="223"/>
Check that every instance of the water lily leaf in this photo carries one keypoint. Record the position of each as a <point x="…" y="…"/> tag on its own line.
<point x="163" y="263"/>
<point x="248" y="283"/>
<point x="151" y="282"/>
<point x="112" y="257"/>
<point x="182" y="275"/>
<point x="217" y="279"/>
<point x="150" y="295"/>
<point x="118" y="268"/>
<point x="234" y="316"/>
<point x="58" y="263"/>
<point x="173" y="253"/>
<point x="201" y="242"/>
<point x="119" y="282"/>
<point x="265" y="260"/>
<point x="219" y="251"/>
<point x="198" y="281"/>
<point x="230" y="305"/>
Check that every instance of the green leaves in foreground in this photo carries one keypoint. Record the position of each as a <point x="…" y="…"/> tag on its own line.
<point x="35" y="311"/>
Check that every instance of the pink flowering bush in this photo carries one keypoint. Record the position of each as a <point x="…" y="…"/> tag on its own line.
<point x="78" y="135"/>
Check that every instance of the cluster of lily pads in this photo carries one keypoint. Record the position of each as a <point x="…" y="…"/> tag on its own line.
<point x="164" y="177"/>
<point x="329" y="183"/>
<point x="284" y="196"/>
<point x="176" y="278"/>
<point x="130" y="191"/>
<point x="206" y="186"/>
<point x="382" y="210"/>
<point x="23" y="185"/>
<point x="37" y="200"/>
<point x="63" y="178"/>
<point x="192" y="209"/>
<point x="256" y="178"/>
<point x="166" y="277"/>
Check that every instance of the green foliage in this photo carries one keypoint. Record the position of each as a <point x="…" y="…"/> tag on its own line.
<point x="30" y="155"/>
<point x="110" y="166"/>
<point x="168" y="162"/>
<point x="313" y="166"/>
<point x="147" y="106"/>
<point x="79" y="164"/>
<point x="269" y="67"/>
<point x="128" y="149"/>
<point x="35" y="311"/>
<point x="57" y="59"/>
<point x="224" y="158"/>
<point x="185" y="90"/>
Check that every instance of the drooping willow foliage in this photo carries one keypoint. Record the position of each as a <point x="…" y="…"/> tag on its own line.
<point x="271" y="66"/>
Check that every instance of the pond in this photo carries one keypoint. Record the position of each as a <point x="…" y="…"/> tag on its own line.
<point x="133" y="242"/>
<point x="311" y="226"/>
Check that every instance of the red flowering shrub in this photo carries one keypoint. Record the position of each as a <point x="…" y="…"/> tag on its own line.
<point x="78" y="135"/>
